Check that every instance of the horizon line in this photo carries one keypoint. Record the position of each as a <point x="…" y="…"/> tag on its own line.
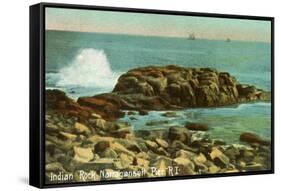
<point x="160" y="36"/>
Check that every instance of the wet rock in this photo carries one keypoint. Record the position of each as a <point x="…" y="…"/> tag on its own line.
<point x="170" y="114"/>
<point x="131" y="113"/>
<point x="180" y="134"/>
<point x="102" y="145"/>
<point x="247" y="155"/>
<point x="156" y="123"/>
<point x="218" y="142"/>
<point x="198" y="137"/>
<point x="232" y="152"/>
<point x="252" y="138"/>
<point x="197" y="127"/>
<point x="143" y="112"/>
<point x="133" y="118"/>
<point x="178" y="145"/>
<point x="121" y="133"/>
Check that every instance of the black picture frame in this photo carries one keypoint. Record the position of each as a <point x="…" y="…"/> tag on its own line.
<point x="37" y="92"/>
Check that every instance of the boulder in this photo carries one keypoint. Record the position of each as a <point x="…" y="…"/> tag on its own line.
<point x="121" y="149"/>
<point x="120" y="133"/>
<point x="197" y="127"/>
<point x="178" y="145"/>
<point x="102" y="145"/>
<point x="199" y="162"/>
<point x="83" y="154"/>
<point x="180" y="134"/>
<point x="131" y="145"/>
<point x="151" y="145"/>
<point x="143" y="112"/>
<point x="170" y="114"/>
<point x="142" y="163"/>
<point x="214" y="169"/>
<point x="162" y="151"/>
<point x="185" y="154"/>
<point x="100" y="123"/>
<point x="109" y="153"/>
<point x="81" y="128"/>
<point x="232" y="152"/>
<point x="156" y="123"/>
<point x="252" y="138"/>
<point x="162" y="143"/>
<point x="186" y="166"/>
<point x="219" y="158"/>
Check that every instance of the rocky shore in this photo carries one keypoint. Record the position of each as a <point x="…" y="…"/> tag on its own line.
<point x="174" y="87"/>
<point x="85" y="142"/>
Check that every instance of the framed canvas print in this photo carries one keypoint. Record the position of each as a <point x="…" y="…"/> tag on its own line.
<point x="126" y="95"/>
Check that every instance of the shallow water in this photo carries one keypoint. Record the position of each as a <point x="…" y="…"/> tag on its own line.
<point x="225" y="123"/>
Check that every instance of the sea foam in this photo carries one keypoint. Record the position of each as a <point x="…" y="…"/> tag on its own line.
<point x="90" y="68"/>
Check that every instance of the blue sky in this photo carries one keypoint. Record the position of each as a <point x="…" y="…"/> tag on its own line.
<point x="156" y="25"/>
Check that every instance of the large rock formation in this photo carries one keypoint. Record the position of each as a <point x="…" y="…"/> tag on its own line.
<point x="174" y="87"/>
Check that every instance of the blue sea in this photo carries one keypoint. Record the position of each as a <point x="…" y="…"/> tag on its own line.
<point x="86" y="64"/>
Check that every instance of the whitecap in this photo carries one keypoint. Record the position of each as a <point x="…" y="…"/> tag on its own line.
<point x="90" y="68"/>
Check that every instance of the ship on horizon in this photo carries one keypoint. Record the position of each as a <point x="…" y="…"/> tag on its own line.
<point x="191" y="36"/>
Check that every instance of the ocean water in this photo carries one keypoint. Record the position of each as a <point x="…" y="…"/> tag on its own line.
<point x="86" y="64"/>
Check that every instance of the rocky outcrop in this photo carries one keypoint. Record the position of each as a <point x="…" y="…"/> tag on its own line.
<point x="173" y="87"/>
<point x="84" y="108"/>
<point x="108" y="108"/>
